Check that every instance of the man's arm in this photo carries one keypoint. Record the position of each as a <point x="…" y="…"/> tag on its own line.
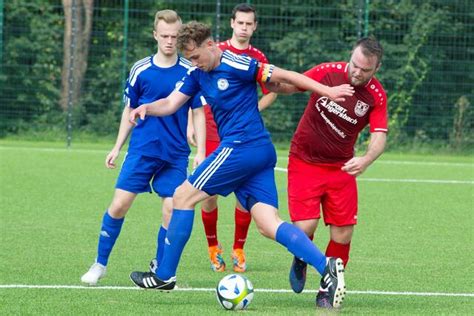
<point x="122" y="135"/>
<point x="357" y="165"/>
<point x="199" y="122"/>
<point x="161" y="107"/>
<point x="190" y="133"/>
<point x="266" y="100"/>
<point x="304" y="83"/>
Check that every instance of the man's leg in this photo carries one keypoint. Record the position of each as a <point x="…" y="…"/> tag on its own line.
<point x="110" y="230"/>
<point x="296" y="241"/>
<point x="167" y="209"/>
<point x="179" y="231"/>
<point x="297" y="275"/>
<point x="340" y="243"/>
<point x="242" y="223"/>
<point x="209" y="214"/>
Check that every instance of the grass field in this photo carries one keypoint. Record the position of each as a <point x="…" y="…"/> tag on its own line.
<point x="412" y="252"/>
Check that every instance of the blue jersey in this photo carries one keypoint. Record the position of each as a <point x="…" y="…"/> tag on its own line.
<point x="160" y="137"/>
<point x="231" y="91"/>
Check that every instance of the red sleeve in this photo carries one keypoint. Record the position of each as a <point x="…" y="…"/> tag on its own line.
<point x="316" y="73"/>
<point x="378" y="118"/>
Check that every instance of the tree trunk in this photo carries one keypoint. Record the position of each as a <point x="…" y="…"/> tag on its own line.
<point x="77" y="33"/>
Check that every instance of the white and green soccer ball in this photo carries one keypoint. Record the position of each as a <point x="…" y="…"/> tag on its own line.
<point x="234" y="292"/>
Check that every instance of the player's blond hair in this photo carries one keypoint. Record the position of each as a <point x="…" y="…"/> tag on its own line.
<point x="168" y="16"/>
<point x="194" y="33"/>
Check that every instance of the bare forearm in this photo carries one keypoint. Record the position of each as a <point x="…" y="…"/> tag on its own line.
<point x="124" y="129"/>
<point x="298" y="82"/>
<point x="376" y="146"/>
<point x="199" y="121"/>
<point x="266" y="101"/>
<point x="161" y="107"/>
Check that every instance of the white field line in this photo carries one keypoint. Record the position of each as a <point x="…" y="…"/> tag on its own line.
<point x="416" y="163"/>
<point x="389" y="162"/>
<point x="132" y="288"/>
<point x="402" y="180"/>
<point x="285" y="170"/>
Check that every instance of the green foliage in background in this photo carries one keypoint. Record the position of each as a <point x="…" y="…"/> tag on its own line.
<point x="427" y="69"/>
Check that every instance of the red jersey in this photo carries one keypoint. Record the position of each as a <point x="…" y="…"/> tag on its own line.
<point x="327" y="131"/>
<point x="211" y="128"/>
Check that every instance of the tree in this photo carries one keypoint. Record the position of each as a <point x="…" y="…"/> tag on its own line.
<point x="77" y="33"/>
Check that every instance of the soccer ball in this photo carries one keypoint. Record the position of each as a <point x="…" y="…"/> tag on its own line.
<point x="234" y="292"/>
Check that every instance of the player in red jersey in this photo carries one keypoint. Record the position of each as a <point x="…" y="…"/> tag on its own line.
<point x="322" y="168"/>
<point x="243" y="24"/>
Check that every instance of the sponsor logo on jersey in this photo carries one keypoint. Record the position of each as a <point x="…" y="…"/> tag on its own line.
<point x="334" y="108"/>
<point x="222" y="84"/>
<point x="361" y="108"/>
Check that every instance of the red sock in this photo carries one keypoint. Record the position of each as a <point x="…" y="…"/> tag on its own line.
<point x="242" y="223"/>
<point x="338" y="250"/>
<point x="209" y="219"/>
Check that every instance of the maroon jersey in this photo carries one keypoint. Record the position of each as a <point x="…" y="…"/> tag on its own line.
<point x="327" y="131"/>
<point x="252" y="52"/>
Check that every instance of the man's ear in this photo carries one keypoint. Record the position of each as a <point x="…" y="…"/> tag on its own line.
<point x="378" y="67"/>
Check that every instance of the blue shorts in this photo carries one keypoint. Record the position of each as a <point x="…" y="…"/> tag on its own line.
<point x="138" y="171"/>
<point x="248" y="171"/>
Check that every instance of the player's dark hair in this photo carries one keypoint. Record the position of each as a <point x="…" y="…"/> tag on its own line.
<point x="370" y="47"/>
<point x="244" y="7"/>
<point x="194" y="33"/>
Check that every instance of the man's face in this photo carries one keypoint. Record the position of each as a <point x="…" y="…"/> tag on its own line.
<point x="243" y="26"/>
<point x="200" y="56"/>
<point x="362" y="68"/>
<point x="165" y="35"/>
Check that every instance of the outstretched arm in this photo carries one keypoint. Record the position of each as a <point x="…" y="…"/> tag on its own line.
<point x="357" y="165"/>
<point x="301" y="82"/>
<point x="161" y="107"/>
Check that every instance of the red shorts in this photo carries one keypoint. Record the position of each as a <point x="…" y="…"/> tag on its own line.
<point x="312" y="187"/>
<point x="211" y="146"/>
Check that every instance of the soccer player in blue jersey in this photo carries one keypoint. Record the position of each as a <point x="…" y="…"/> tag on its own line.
<point x="245" y="160"/>
<point x="158" y="150"/>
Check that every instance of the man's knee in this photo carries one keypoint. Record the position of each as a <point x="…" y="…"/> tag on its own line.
<point x="342" y="234"/>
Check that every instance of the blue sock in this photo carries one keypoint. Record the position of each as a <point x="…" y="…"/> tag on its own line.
<point x="160" y="244"/>
<point x="178" y="234"/>
<point x="109" y="232"/>
<point x="296" y="241"/>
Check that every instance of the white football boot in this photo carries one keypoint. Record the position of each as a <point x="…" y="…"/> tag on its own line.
<point x="95" y="273"/>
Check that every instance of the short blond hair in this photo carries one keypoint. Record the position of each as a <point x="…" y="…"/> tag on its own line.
<point x="168" y="16"/>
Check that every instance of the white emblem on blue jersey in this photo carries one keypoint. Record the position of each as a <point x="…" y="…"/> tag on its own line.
<point x="222" y="84"/>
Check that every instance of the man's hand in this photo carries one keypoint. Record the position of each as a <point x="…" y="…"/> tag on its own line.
<point x="338" y="93"/>
<point x="356" y="166"/>
<point x="139" y="112"/>
<point x="198" y="159"/>
<point x="111" y="157"/>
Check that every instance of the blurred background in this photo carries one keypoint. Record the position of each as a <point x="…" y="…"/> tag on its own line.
<point x="64" y="63"/>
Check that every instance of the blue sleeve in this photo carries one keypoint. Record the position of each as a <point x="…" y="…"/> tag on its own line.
<point x="243" y="67"/>
<point x="190" y="84"/>
<point x="198" y="101"/>
<point x="131" y="93"/>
